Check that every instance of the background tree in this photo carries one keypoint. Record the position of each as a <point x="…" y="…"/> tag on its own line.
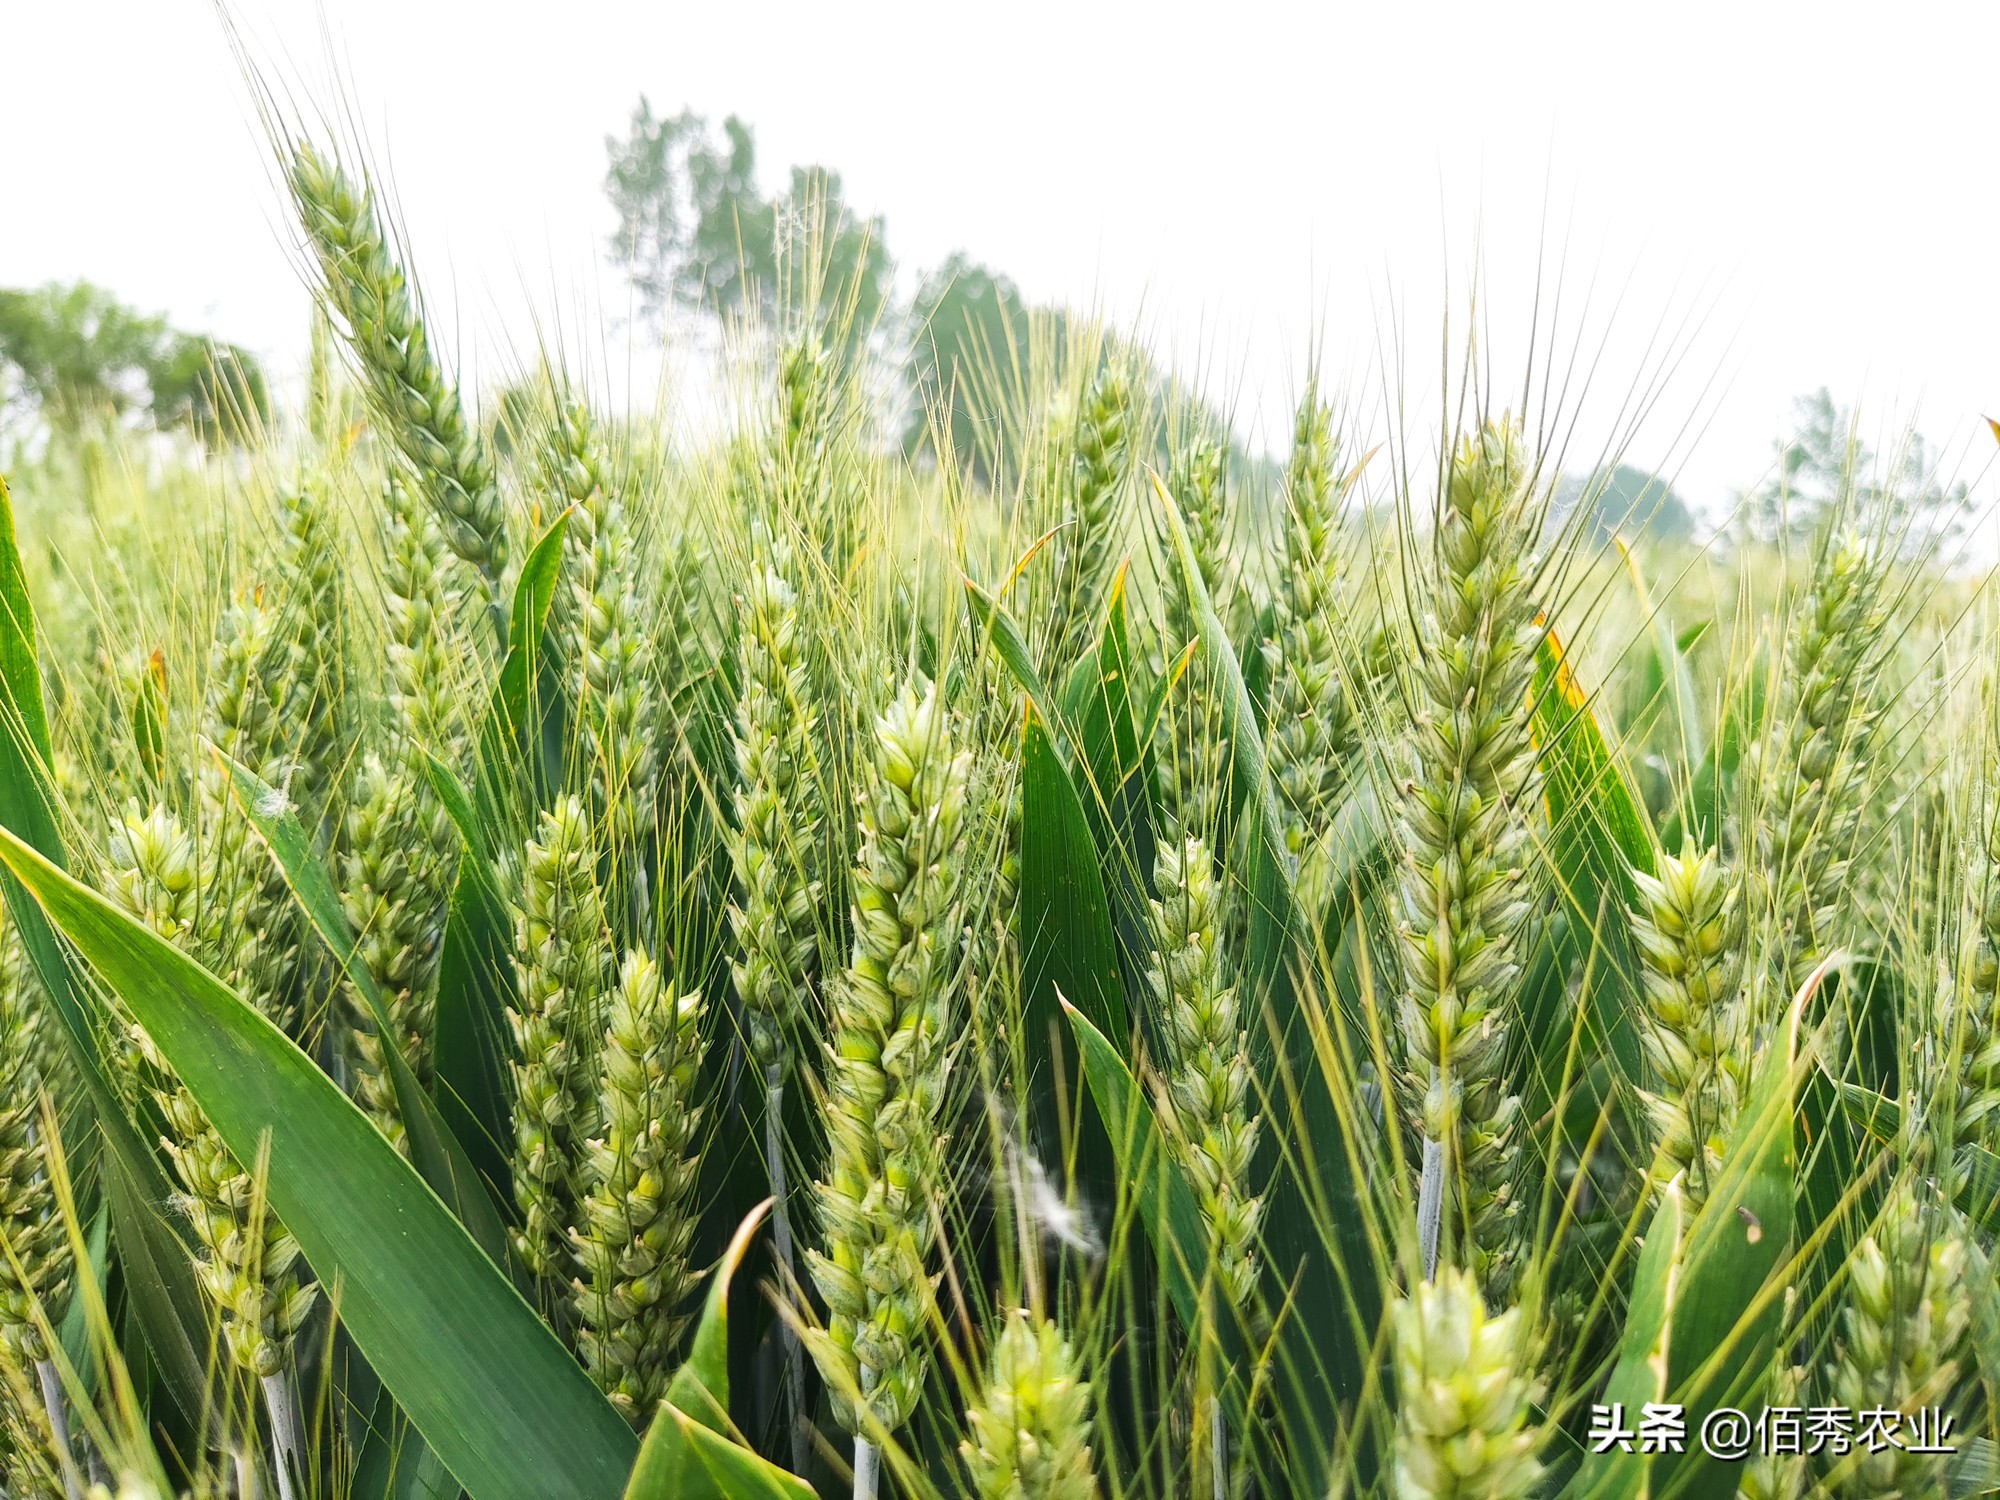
<point x="1628" y="501"/>
<point x="72" y="352"/>
<point x="1823" y="462"/>
<point x="696" y="233"/>
<point x="966" y="317"/>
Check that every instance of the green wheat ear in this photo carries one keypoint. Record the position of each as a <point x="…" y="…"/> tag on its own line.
<point x="399" y="851"/>
<point x="887" y="1066"/>
<point x="638" y="1216"/>
<point x="1688" y="932"/>
<point x="616" y="694"/>
<point x="1208" y="1079"/>
<point x="1810" y="775"/>
<point x="1030" y="1426"/>
<point x="370" y="292"/>
<point x="248" y="1263"/>
<point x="1463" y="1402"/>
<point x="563" y="954"/>
<point x="1909" y="1309"/>
<point x="1189" y="746"/>
<point x="1312" y="725"/>
<point x="776" y="839"/>
<point x="1469" y="785"/>
<point x="1093" y="509"/>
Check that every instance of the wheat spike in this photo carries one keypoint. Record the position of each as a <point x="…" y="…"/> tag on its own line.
<point x="35" y="1265"/>
<point x="1312" y="727"/>
<point x="1905" y="1325"/>
<point x="1688" y="932"/>
<point x="1470" y="786"/>
<point x="886" y="1067"/>
<point x="1030" y="1426"/>
<point x="638" y="1217"/>
<point x="562" y="952"/>
<point x="1462" y="1401"/>
<point x="371" y="294"/>
<point x="1208" y="1084"/>
<point x="1810" y="775"/>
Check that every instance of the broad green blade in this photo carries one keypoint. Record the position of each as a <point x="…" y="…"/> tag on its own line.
<point x="991" y="620"/>
<point x="1640" y="1376"/>
<point x="1598" y="834"/>
<point x="1676" y="677"/>
<point x="1583" y="780"/>
<point x="700" y="1386"/>
<point x="1743" y="714"/>
<point x="434" y="1151"/>
<point x="1156" y="699"/>
<point x="1114" y="779"/>
<point x="395" y="1463"/>
<point x="471" y="1047"/>
<point x="149" y="720"/>
<point x="1067" y="941"/>
<point x="494" y="1393"/>
<point x="691" y="1451"/>
<point x="73" y="1333"/>
<point x="509" y="737"/>
<point x="708" y="1466"/>
<point x="1166" y="1205"/>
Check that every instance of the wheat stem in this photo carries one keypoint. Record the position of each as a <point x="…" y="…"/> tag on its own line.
<point x="867" y="1466"/>
<point x="781" y="1233"/>
<point x="52" y="1403"/>
<point x="287" y="1454"/>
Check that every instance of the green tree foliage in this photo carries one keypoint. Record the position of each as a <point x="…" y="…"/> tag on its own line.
<point x="1627" y="501"/>
<point x="967" y="316"/>
<point x="1823" y="464"/>
<point x="695" y="231"/>
<point x="72" y="351"/>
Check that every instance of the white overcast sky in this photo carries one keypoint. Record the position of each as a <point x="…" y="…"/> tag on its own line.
<point x="1813" y="186"/>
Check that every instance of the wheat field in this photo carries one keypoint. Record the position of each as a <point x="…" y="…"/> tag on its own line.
<point x="547" y="956"/>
